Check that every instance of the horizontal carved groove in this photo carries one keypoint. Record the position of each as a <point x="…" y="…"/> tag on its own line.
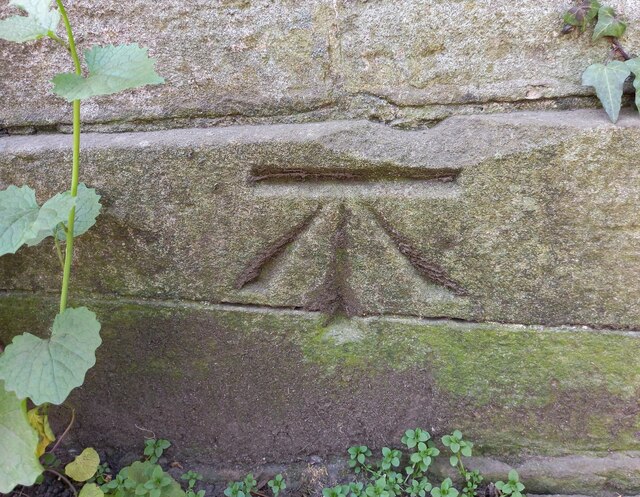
<point x="274" y="174"/>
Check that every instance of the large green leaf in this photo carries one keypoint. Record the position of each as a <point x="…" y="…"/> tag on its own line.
<point x="634" y="66"/>
<point x="47" y="370"/>
<point x="18" y="212"/>
<point x="608" y="80"/>
<point x="39" y="22"/>
<point x="111" y="69"/>
<point x="87" y="209"/>
<point x="608" y="24"/>
<point x="53" y="212"/>
<point x="22" y="221"/>
<point x="18" y="443"/>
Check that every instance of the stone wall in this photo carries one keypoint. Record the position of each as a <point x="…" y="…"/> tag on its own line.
<point x="340" y="219"/>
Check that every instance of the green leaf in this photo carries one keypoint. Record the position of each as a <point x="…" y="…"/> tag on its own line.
<point x="39" y="22"/>
<point x="608" y="24"/>
<point x="18" y="212"/>
<point x="18" y="443"/>
<point x="608" y="80"/>
<point x="87" y="210"/>
<point x="22" y="221"/>
<point x="47" y="370"/>
<point x="140" y="473"/>
<point x="83" y="466"/>
<point x="582" y="13"/>
<point x="634" y="66"/>
<point x="111" y="69"/>
<point x="91" y="490"/>
<point x="53" y="212"/>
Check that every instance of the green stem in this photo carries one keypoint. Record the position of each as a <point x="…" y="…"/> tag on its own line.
<point x="75" y="172"/>
<point x="58" y="250"/>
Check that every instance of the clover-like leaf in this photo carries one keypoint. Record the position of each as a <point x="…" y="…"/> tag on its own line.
<point x="39" y="22"/>
<point x="608" y="80"/>
<point x="18" y="442"/>
<point x="582" y="13"/>
<point x="87" y="210"/>
<point x="634" y="66"/>
<point x="91" y="490"/>
<point x="111" y="69"/>
<point x="47" y="370"/>
<point x="84" y="466"/>
<point x="608" y="24"/>
<point x="141" y="472"/>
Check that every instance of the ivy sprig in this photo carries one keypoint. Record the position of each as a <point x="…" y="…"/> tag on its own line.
<point x="608" y="77"/>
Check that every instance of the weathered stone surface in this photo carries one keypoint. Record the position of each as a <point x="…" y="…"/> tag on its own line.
<point x="256" y="386"/>
<point x="247" y="60"/>
<point x="527" y="218"/>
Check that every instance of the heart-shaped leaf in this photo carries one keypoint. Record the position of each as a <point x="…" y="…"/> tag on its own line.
<point x="18" y="442"/>
<point x="608" y="24"/>
<point x="39" y="22"/>
<point x="608" y="80"/>
<point x="111" y="69"/>
<point x="83" y="466"/>
<point x="47" y="370"/>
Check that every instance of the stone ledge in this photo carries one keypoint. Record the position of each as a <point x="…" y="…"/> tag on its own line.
<point x="525" y="218"/>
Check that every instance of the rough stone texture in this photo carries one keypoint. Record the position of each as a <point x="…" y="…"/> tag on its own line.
<point x="252" y="386"/>
<point x="248" y="60"/>
<point x="525" y="218"/>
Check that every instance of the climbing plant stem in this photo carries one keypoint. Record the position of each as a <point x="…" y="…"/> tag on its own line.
<point x="75" y="171"/>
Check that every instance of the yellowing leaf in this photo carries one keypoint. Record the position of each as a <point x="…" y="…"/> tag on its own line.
<point x="40" y="422"/>
<point x="91" y="490"/>
<point x="84" y="466"/>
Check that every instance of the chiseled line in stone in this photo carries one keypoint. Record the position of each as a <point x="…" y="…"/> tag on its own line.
<point x="427" y="269"/>
<point x="254" y="268"/>
<point x="203" y="305"/>
<point x="374" y="173"/>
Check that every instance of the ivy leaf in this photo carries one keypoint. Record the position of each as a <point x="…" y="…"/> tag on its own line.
<point x="111" y="69"/>
<point x="18" y="442"/>
<point x="634" y="66"/>
<point x="53" y="212"/>
<point x="47" y="370"/>
<point x="39" y="22"/>
<point x="83" y="466"/>
<point x="87" y="209"/>
<point x="608" y="80"/>
<point x="581" y="14"/>
<point x="608" y="24"/>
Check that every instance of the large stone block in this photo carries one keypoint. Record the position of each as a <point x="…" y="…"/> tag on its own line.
<point x="247" y="60"/>
<point x="251" y="386"/>
<point x="526" y="218"/>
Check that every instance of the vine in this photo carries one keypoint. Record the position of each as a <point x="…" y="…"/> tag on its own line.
<point x="608" y="78"/>
<point x="45" y="371"/>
